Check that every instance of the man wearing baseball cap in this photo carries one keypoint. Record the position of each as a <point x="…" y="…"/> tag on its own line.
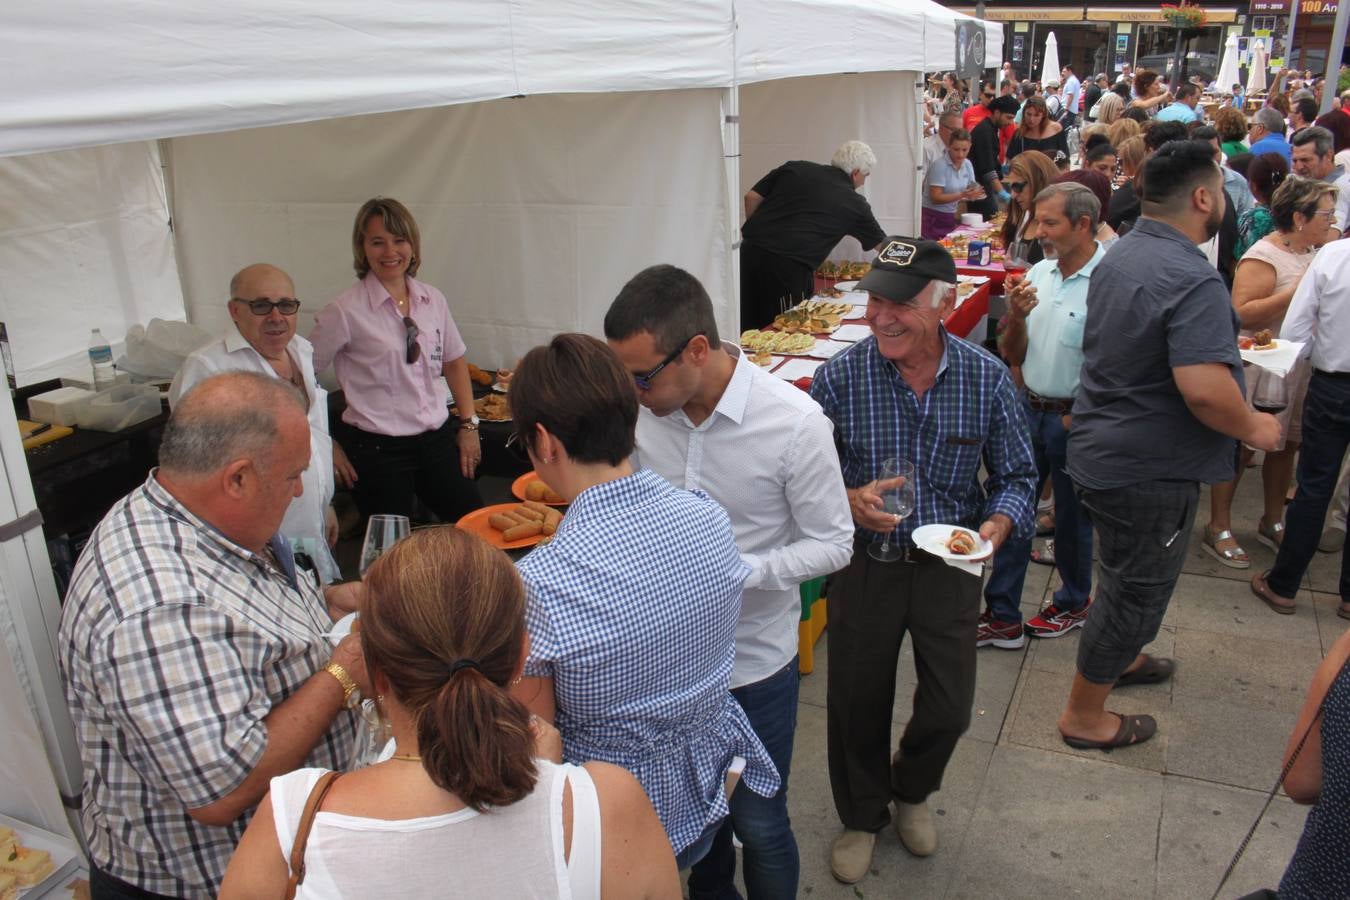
<point x="912" y="391"/>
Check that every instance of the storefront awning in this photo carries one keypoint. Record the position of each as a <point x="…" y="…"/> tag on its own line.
<point x="1148" y="15"/>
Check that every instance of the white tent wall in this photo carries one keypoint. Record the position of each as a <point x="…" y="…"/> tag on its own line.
<point x="38" y="758"/>
<point x="533" y="212"/>
<point x="84" y="243"/>
<point x="808" y="118"/>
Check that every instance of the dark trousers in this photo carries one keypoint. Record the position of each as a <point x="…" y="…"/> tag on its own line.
<point x="769" y="284"/>
<point x="103" y="886"/>
<point x="772" y="864"/>
<point x="872" y="607"/>
<point x="1326" y="435"/>
<point x="1073" y="530"/>
<point x="1142" y="533"/>
<point x="391" y="471"/>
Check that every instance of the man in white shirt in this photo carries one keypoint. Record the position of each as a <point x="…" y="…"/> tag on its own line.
<point x="1072" y="89"/>
<point x="263" y="306"/>
<point x="1320" y="315"/>
<point x="936" y="144"/>
<point x="711" y="420"/>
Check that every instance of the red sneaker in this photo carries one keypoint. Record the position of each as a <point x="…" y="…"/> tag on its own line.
<point x="1004" y="635"/>
<point x="1051" y="622"/>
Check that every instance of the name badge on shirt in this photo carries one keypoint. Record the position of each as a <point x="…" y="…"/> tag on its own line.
<point x="438" y="351"/>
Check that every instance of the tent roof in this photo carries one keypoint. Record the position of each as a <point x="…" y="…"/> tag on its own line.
<point x="83" y="73"/>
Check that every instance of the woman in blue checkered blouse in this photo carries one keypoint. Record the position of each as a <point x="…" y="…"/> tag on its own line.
<point x="632" y="607"/>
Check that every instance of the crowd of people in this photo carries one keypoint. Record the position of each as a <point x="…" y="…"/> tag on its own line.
<point x="619" y="705"/>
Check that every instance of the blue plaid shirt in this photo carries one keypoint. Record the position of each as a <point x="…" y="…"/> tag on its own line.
<point x="632" y="610"/>
<point x="972" y="412"/>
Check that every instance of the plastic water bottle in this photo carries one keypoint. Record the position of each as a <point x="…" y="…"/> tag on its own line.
<point x="100" y="357"/>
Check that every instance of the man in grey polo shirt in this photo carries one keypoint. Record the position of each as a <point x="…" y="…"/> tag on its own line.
<point x="1159" y="404"/>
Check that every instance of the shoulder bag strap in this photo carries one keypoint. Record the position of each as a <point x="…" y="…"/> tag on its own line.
<point x="320" y="790"/>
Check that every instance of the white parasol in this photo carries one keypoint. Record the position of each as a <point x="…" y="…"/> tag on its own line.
<point x="1228" y="69"/>
<point x="1050" y="69"/>
<point x="1256" y="76"/>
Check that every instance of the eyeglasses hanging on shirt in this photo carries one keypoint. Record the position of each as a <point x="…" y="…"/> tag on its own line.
<point x="411" y="331"/>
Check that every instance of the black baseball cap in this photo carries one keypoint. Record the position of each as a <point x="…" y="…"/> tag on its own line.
<point x="904" y="266"/>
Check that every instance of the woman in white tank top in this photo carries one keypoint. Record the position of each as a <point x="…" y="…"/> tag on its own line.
<point x="471" y="805"/>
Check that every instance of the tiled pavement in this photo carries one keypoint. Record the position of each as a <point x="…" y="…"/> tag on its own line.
<point x="1021" y="814"/>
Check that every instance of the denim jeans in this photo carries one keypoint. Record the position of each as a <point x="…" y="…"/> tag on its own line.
<point x="690" y="855"/>
<point x="1073" y="530"/>
<point x="770" y="849"/>
<point x="1326" y="434"/>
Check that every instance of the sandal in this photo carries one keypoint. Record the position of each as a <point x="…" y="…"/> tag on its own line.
<point x="1133" y="730"/>
<point x="1046" y="555"/>
<point x="1285" y="606"/>
<point x="1045" y="523"/>
<point x="1153" y="670"/>
<point x="1233" y="557"/>
<point x="1272" y="536"/>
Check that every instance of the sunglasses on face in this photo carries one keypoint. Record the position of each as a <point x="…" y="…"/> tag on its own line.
<point x="644" y="382"/>
<point x="287" y="306"/>
<point x="1016" y="186"/>
<point x="411" y="331"/>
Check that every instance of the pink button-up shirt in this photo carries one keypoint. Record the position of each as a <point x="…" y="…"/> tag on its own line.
<point x="362" y="335"/>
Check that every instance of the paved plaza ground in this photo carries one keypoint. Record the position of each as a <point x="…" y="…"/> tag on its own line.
<point x="1023" y="815"/>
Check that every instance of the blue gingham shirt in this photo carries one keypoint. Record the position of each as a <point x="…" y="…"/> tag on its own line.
<point x="632" y="611"/>
<point x="971" y="413"/>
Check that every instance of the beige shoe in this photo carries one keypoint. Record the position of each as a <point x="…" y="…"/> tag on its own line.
<point x="914" y="824"/>
<point x="851" y="856"/>
<point x="1332" y="540"/>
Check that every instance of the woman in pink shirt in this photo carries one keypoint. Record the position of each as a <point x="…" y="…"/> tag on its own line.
<point x="394" y="348"/>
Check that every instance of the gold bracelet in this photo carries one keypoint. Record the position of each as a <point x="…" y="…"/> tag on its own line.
<point x="351" y="694"/>
<point x="467" y="426"/>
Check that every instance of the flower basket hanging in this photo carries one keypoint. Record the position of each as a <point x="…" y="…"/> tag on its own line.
<point x="1184" y="15"/>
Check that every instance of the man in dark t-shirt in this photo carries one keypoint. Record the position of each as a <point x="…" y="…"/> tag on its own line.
<point x="794" y="216"/>
<point x="984" y="155"/>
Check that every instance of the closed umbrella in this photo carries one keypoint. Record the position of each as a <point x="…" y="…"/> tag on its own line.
<point x="1228" y="69"/>
<point x="1050" y="71"/>
<point x="1256" y="78"/>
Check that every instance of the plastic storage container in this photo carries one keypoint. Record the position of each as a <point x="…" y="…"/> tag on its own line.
<point x="59" y="407"/>
<point x="119" y="407"/>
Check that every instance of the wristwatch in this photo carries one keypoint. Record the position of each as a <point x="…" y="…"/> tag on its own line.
<point x="470" y="424"/>
<point x="351" y="694"/>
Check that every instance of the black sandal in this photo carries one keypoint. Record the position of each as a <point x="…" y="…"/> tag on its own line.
<point x="1133" y="730"/>
<point x="1154" y="670"/>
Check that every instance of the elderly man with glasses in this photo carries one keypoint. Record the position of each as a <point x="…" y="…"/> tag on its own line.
<point x="263" y="306"/>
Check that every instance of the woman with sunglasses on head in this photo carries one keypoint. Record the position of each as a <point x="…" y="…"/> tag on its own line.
<point x="394" y="347"/>
<point x="474" y="802"/>
<point x="1038" y="132"/>
<point x="632" y="607"/>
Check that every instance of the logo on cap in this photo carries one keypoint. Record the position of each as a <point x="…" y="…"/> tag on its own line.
<point x="898" y="253"/>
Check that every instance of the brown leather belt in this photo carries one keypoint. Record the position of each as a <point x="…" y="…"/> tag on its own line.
<point x="1049" y="404"/>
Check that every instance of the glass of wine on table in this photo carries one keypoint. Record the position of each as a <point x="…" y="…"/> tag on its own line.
<point x="895" y="486"/>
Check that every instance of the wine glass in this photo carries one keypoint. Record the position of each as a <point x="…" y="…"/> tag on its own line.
<point x="382" y="532"/>
<point x="895" y="486"/>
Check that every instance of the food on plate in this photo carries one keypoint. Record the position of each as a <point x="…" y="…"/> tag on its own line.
<point x="542" y="493"/>
<point x="824" y="308"/>
<point x="479" y="376"/>
<point x="525" y="520"/>
<point x="1244" y="342"/>
<point x="28" y="866"/>
<point x="493" y="408"/>
<point x="961" y="542"/>
<point x="965" y="289"/>
<point x="7" y="841"/>
<point x="776" y="341"/>
<point x="828" y="269"/>
<point x="804" y="320"/>
<point x="9" y="886"/>
<point x="762" y="358"/>
<point x="831" y="292"/>
<point x="1263" y="340"/>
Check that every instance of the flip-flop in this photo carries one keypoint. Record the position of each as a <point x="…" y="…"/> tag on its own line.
<point x="1282" y="605"/>
<point x="1154" y="670"/>
<point x="1133" y="730"/>
<point x="1046" y="555"/>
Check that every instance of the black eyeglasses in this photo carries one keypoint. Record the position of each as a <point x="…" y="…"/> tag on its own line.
<point x="287" y="306"/>
<point x="1015" y="186"/>
<point x="411" y="331"/>
<point x="644" y="382"/>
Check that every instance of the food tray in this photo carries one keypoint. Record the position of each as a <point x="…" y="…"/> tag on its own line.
<point x="65" y="855"/>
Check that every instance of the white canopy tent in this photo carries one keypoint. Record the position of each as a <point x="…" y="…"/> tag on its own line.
<point x="548" y="149"/>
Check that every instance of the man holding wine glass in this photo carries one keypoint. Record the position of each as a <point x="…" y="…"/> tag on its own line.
<point x="912" y="393"/>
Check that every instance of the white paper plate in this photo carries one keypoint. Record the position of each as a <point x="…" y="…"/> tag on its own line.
<point x="65" y="855"/>
<point x="933" y="539"/>
<point x="827" y="349"/>
<point x="797" y="368"/>
<point x="845" y="285"/>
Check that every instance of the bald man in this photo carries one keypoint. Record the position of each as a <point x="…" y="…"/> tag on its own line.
<point x="195" y="655"/>
<point x="262" y="339"/>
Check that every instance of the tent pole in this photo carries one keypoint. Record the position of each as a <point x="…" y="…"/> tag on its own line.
<point x="1334" y="53"/>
